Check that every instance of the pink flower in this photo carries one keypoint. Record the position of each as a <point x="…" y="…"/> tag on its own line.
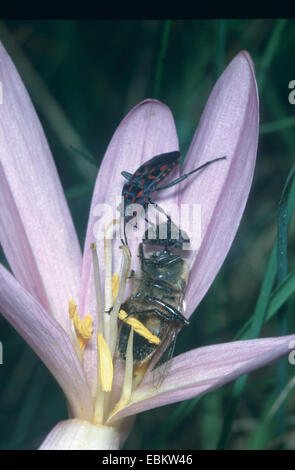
<point x="41" y="246"/>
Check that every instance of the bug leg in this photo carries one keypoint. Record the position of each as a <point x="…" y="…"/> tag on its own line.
<point x="166" y="245"/>
<point x="149" y="222"/>
<point x="124" y="242"/>
<point x="126" y="175"/>
<point x="158" y="312"/>
<point x="141" y="257"/>
<point x="159" y="209"/>
<point x="156" y="206"/>
<point x="183" y="177"/>
<point x="168" y="262"/>
<point x="127" y="218"/>
<point x="161" y="285"/>
<point x="174" y="315"/>
<point x="148" y="311"/>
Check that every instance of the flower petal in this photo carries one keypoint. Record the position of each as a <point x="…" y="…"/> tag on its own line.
<point x="204" y="369"/>
<point x="36" y="229"/>
<point x="75" y="434"/>
<point x="229" y="126"/>
<point x="48" y="339"/>
<point x="147" y="130"/>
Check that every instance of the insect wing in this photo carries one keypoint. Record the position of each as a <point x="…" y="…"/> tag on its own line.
<point x="161" y="369"/>
<point x="156" y="168"/>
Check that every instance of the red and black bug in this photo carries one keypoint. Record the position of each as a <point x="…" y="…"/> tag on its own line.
<point x="147" y="177"/>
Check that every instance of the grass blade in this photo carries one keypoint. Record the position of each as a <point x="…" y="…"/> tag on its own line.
<point x="161" y="58"/>
<point x="258" y="318"/>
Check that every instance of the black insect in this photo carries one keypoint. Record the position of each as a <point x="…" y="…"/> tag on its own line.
<point x="156" y="301"/>
<point x="146" y="179"/>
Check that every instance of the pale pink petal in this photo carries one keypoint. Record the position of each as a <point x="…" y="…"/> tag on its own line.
<point x="229" y="126"/>
<point x="48" y="339"/>
<point x="75" y="434"/>
<point x="147" y="130"/>
<point x="36" y="229"/>
<point x="204" y="369"/>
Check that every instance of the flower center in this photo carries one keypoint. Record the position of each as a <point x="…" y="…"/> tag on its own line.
<point x="107" y="330"/>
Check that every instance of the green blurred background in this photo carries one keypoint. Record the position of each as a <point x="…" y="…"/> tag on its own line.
<point x="83" y="77"/>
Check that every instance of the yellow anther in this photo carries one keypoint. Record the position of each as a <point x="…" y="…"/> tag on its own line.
<point x="72" y="308"/>
<point x="87" y="332"/>
<point x="106" y="370"/>
<point x="139" y="328"/>
<point x="84" y="328"/>
<point x="115" y="285"/>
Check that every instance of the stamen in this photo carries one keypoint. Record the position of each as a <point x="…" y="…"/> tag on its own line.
<point x="124" y="271"/>
<point x="108" y="265"/>
<point x="106" y="371"/>
<point x="128" y="377"/>
<point x="97" y="288"/>
<point x="139" y="374"/>
<point x="83" y="328"/>
<point x="139" y="328"/>
<point x="105" y="368"/>
<point x="115" y="286"/>
<point x="87" y="328"/>
<point x="102" y="399"/>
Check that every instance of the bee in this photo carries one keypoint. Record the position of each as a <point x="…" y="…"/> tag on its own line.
<point x="157" y="300"/>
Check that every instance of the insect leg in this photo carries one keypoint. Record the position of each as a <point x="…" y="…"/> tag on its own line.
<point x="149" y="311"/>
<point x="161" y="285"/>
<point x="175" y="315"/>
<point x="159" y="208"/>
<point x="127" y="175"/>
<point x="141" y="256"/>
<point x="169" y="261"/>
